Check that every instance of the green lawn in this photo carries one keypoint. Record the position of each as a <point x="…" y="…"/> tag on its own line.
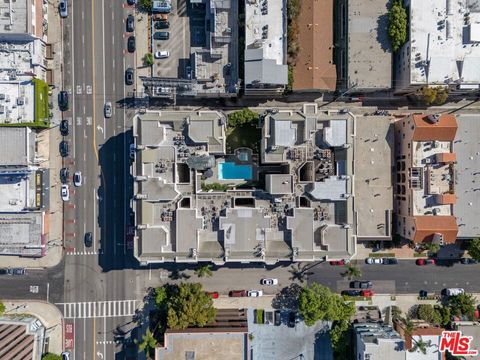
<point x="244" y="136"/>
<point x="41" y="103"/>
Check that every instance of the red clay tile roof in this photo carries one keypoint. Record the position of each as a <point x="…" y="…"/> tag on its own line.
<point x="427" y="226"/>
<point x="444" y="130"/>
<point x="314" y="68"/>
<point x="446" y="157"/>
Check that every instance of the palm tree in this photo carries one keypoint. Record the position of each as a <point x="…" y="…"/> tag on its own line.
<point x="204" y="270"/>
<point x="300" y="272"/>
<point x="148" y="343"/>
<point x="421" y="345"/>
<point x="352" y="272"/>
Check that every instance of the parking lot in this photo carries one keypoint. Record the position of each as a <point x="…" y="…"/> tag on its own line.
<point x="178" y="44"/>
<point x="272" y="342"/>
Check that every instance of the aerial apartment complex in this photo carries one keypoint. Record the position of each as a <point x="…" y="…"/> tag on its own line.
<point x="194" y="202"/>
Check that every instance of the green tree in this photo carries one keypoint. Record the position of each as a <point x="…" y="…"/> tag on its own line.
<point x="397" y="25"/>
<point x="445" y="315"/>
<point x="429" y="314"/>
<point x="146" y="5"/>
<point x="338" y="339"/>
<point x="421" y="345"/>
<point x="161" y="298"/>
<point x="474" y="249"/>
<point x="242" y="117"/>
<point x="148" y="59"/>
<point x="2" y="308"/>
<point x="204" y="270"/>
<point x="431" y="247"/>
<point x="352" y="272"/>
<point x="189" y="305"/>
<point x="433" y="95"/>
<point x="50" y="356"/>
<point x="317" y="302"/>
<point x="463" y="304"/>
<point x="147" y="344"/>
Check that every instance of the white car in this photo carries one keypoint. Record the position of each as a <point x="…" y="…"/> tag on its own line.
<point x="454" y="291"/>
<point x="374" y="261"/>
<point x="65" y="193"/>
<point x="163" y="90"/>
<point x="269" y="281"/>
<point x="255" y="293"/>
<point x="63" y="8"/>
<point x="162" y="54"/>
<point x="108" y="109"/>
<point x="77" y="178"/>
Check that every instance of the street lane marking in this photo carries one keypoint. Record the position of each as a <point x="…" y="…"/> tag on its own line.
<point x="89" y="89"/>
<point x="98" y="309"/>
<point x="79" y="90"/>
<point x="89" y="120"/>
<point x="78" y="121"/>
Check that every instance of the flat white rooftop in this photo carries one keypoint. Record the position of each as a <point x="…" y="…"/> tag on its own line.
<point x="17" y="101"/>
<point x="266" y="28"/>
<point x="445" y="35"/>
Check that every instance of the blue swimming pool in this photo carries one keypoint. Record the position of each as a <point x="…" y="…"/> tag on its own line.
<point x="230" y="170"/>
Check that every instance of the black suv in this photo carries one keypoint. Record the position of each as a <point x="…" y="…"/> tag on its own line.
<point x="161" y="35"/>
<point x="63" y="100"/>
<point x="131" y="44"/>
<point x="64" y="174"/>
<point x="162" y="24"/>
<point x="88" y="239"/>
<point x="64" y="127"/>
<point x="130" y="23"/>
<point x="64" y="149"/>
<point x="129" y="76"/>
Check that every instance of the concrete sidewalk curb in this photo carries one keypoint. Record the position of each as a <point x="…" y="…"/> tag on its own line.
<point x="50" y="316"/>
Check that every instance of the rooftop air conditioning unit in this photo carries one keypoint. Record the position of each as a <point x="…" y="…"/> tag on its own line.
<point x="433" y="118"/>
<point x="20" y="101"/>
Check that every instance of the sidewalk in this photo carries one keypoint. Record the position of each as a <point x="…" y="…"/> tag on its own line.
<point x="407" y="253"/>
<point x="47" y="313"/>
<point x="142" y="37"/>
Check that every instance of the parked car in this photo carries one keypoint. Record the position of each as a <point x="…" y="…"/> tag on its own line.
<point x="293" y="319"/>
<point x="108" y="109"/>
<point x="374" y="261"/>
<point x="255" y="293"/>
<point x="278" y="318"/>
<point x="64" y="127"/>
<point x="270" y="281"/>
<point x="338" y="262"/>
<point x="468" y="261"/>
<point x="366" y="293"/>
<point x="238" y="293"/>
<point x="212" y="294"/>
<point x="130" y="23"/>
<point x="423" y="293"/>
<point x="63" y="100"/>
<point x="64" y="149"/>
<point x="422" y="262"/>
<point x="64" y="174"/>
<point x="65" y="355"/>
<point x="390" y="261"/>
<point x="131" y="2"/>
<point x="161" y="35"/>
<point x="351" y="293"/>
<point x="4" y="272"/>
<point x="129" y="76"/>
<point x="453" y="291"/>
<point x="88" y="239"/>
<point x="65" y="192"/>
<point x="77" y="178"/>
<point x="162" y="24"/>
<point x="131" y="44"/>
<point x="365" y="284"/>
<point x="18" y="271"/>
<point x="162" y="54"/>
<point x="63" y="8"/>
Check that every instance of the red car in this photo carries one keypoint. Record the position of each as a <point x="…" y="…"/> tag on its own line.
<point x="238" y="293"/>
<point x="337" y="262"/>
<point x="367" y="293"/>
<point x="212" y="294"/>
<point x="422" y="262"/>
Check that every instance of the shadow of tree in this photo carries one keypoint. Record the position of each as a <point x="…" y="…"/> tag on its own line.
<point x="287" y="298"/>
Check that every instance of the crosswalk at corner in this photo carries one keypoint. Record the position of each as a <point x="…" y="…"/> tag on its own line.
<point x="98" y="309"/>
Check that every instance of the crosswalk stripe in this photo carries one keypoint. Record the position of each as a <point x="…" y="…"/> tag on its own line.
<point x="99" y="309"/>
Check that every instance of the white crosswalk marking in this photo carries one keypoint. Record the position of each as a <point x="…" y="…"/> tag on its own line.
<point x="99" y="309"/>
<point x="77" y="253"/>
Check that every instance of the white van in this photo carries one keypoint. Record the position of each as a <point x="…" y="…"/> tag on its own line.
<point x="454" y="291"/>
